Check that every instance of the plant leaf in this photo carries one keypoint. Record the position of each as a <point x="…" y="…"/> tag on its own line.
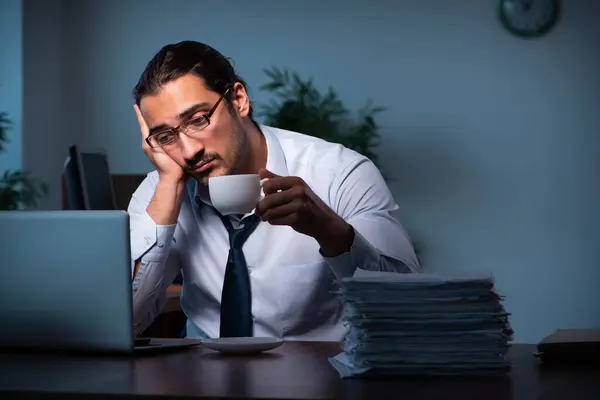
<point x="298" y="105"/>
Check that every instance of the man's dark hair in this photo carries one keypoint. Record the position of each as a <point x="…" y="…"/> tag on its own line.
<point x="188" y="57"/>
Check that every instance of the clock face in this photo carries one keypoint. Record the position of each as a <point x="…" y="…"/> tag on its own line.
<point x="529" y="18"/>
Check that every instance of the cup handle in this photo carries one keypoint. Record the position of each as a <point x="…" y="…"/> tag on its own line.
<point x="262" y="194"/>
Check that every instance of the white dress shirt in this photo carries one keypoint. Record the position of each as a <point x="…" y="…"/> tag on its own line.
<point x="291" y="281"/>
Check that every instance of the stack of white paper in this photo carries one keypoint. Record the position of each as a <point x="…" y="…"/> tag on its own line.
<point x="421" y="324"/>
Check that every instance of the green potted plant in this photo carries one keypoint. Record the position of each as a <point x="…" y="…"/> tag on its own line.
<point x="17" y="189"/>
<point x="299" y="106"/>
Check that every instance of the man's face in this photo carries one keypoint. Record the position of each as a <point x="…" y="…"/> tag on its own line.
<point x="215" y="150"/>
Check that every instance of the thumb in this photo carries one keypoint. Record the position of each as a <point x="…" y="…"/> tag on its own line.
<point x="265" y="173"/>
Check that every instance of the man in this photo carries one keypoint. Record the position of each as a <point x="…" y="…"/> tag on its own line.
<point x="326" y="210"/>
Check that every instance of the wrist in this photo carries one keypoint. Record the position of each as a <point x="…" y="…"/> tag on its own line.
<point x="173" y="181"/>
<point x="166" y="202"/>
<point x="336" y="239"/>
<point x="174" y="184"/>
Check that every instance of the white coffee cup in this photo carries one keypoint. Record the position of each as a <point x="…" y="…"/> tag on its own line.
<point x="235" y="194"/>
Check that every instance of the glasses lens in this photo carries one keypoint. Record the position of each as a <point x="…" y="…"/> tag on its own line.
<point x="196" y="125"/>
<point x="166" y="138"/>
<point x="161" y="139"/>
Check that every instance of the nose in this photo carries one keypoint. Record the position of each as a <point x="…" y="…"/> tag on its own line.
<point x="191" y="148"/>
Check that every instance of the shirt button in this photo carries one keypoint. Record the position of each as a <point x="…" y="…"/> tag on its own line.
<point x="160" y="244"/>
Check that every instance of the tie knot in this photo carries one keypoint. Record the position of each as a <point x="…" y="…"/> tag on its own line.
<point x="237" y="237"/>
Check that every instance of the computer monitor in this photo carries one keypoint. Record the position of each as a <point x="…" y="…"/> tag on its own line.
<point x="88" y="179"/>
<point x="73" y="180"/>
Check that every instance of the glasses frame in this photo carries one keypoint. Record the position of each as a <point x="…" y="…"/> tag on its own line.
<point x="182" y="128"/>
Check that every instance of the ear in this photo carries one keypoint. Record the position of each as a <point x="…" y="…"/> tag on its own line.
<point x="240" y="99"/>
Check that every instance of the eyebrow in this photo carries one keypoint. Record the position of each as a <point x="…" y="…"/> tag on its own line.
<point x="185" y="114"/>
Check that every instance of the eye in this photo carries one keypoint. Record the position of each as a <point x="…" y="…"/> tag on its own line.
<point x="197" y="122"/>
<point x="164" y="137"/>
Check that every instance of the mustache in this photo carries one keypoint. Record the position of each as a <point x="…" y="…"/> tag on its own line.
<point x="202" y="157"/>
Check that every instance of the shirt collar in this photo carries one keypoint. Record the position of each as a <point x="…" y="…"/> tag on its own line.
<point x="276" y="163"/>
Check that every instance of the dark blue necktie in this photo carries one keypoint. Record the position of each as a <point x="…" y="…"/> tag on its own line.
<point x="236" y="298"/>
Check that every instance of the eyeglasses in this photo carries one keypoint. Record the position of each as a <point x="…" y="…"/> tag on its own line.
<point x="189" y="128"/>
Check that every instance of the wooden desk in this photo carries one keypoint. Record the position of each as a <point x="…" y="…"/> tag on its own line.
<point x="297" y="370"/>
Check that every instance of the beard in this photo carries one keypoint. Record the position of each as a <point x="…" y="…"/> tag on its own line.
<point x="233" y="161"/>
<point x="239" y="148"/>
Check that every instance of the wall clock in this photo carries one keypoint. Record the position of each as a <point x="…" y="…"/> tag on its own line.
<point x="529" y="18"/>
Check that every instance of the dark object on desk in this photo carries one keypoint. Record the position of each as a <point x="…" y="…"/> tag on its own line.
<point x="124" y="185"/>
<point x="89" y="182"/>
<point x="579" y="346"/>
<point x="73" y="180"/>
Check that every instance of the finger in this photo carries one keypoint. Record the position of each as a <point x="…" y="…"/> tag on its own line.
<point x="281" y="183"/>
<point x="288" y="220"/>
<point x="283" y="211"/>
<point x="275" y="200"/>
<point x="265" y="173"/>
<point x="143" y="127"/>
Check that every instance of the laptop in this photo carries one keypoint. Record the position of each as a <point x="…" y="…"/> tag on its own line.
<point x="65" y="283"/>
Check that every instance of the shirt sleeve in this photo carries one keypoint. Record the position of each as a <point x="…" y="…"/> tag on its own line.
<point x="381" y="243"/>
<point x="159" y="262"/>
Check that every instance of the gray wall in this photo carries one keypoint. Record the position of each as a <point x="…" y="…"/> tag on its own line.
<point x="11" y="80"/>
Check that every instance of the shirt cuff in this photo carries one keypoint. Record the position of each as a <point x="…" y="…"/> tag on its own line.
<point x="360" y="254"/>
<point x="150" y="240"/>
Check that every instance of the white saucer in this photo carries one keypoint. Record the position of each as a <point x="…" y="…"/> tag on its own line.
<point x="242" y="345"/>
